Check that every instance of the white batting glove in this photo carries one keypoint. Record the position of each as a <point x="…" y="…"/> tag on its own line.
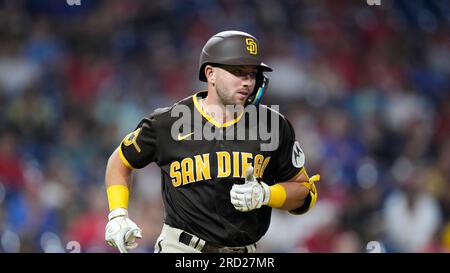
<point x="120" y="231"/>
<point x="251" y="195"/>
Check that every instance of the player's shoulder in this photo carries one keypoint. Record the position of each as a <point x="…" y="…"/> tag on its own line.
<point x="164" y="113"/>
<point x="274" y="110"/>
<point x="273" y="114"/>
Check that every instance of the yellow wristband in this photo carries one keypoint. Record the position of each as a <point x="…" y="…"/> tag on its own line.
<point x="117" y="197"/>
<point x="277" y="196"/>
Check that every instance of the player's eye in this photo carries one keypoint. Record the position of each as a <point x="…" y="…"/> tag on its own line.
<point x="241" y="73"/>
<point x="252" y="75"/>
<point x="237" y="72"/>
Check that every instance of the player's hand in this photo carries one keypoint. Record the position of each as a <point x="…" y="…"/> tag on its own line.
<point x="120" y="231"/>
<point x="250" y="195"/>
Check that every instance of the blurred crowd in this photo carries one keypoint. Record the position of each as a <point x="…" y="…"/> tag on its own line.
<point x="367" y="89"/>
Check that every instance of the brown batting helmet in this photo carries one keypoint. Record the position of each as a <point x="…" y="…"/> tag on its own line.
<point x="234" y="48"/>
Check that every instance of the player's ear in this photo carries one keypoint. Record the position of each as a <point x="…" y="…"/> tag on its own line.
<point x="210" y="74"/>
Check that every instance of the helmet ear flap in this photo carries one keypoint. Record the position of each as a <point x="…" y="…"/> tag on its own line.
<point x="260" y="86"/>
<point x="259" y="81"/>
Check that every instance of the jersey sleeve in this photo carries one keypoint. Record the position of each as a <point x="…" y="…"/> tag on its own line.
<point x="139" y="148"/>
<point x="290" y="159"/>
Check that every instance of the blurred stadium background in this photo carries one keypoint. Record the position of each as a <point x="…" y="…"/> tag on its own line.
<point x="367" y="89"/>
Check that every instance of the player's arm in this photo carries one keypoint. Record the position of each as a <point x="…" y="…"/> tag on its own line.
<point x="296" y="196"/>
<point x="117" y="181"/>
<point x="120" y="231"/>
<point x="135" y="151"/>
<point x="295" y="192"/>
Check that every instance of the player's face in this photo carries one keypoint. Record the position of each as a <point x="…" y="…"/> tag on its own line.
<point x="235" y="83"/>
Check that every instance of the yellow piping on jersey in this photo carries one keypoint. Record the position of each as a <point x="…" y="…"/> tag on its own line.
<point x="124" y="160"/>
<point x="211" y="119"/>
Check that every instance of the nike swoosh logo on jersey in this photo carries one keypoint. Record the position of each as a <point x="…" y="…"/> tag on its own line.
<point x="180" y="137"/>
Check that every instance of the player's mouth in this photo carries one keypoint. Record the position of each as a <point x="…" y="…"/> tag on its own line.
<point x="243" y="93"/>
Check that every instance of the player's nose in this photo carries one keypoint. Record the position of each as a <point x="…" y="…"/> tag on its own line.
<point x="247" y="79"/>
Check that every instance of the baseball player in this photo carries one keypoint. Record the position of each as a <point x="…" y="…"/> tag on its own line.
<point x="218" y="194"/>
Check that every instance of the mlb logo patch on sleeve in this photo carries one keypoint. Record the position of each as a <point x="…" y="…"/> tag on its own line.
<point x="298" y="157"/>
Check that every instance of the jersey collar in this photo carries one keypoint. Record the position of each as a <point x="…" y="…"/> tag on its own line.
<point x="208" y="117"/>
